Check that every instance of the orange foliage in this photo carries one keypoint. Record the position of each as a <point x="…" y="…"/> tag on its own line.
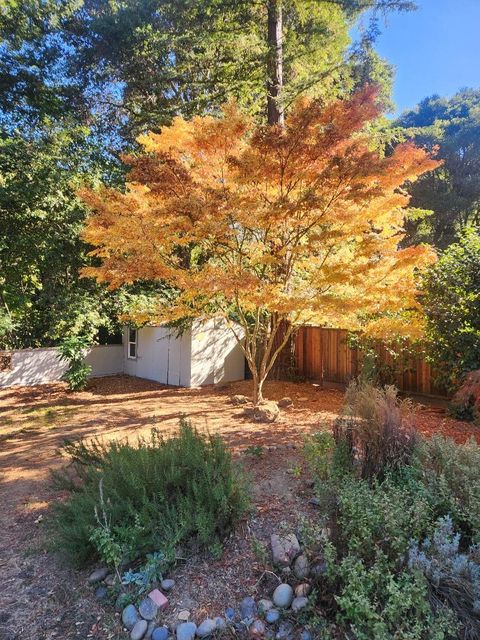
<point x="300" y="223"/>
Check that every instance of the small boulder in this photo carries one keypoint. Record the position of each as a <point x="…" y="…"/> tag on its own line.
<point x="150" y="629"/>
<point x="248" y="608"/>
<point x="220" y="624"/>
<point x="257" y="629"/>
<point x="230" y="613"/>
<point x="299" y="603"/>
<point x="184" y="615"/>
<point x="305" y="635"/>
<point x="139" y="630"/>
<point x="319" y="569"/>
<point x="266" y="411"/>
<point x="285" y="631"/>
<point x="301" y="567"/>
<point x="283" y="403"/>
<point x="283" y="596"/>
<point x="129" y="617"/>
<point x="98" y="575"/>
<point x="264" y="605"/>
<point x="239" y="399"/>
<point x="302" y="590"/>
<point x="167" y="584"/>
<point x="101" y="592"/>
<point x="186" y="631"/>
<point x="160" y="633"/>
<point x="148" y="608"/>
<point x="284" y="549"/>
<point x="272" y="616"/>
<point x="206" y="628"/>
<point x="110" y="579"/>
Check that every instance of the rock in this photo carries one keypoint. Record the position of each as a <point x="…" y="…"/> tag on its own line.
<point x="299" y="603"/>
<point x="305" y="635"/>
<point x="285" y="402"/>
<point x="318" y="570"/>
<point x="160" y="633"/>
<point x="186" y="631"/>
<point x="206" y="628"/>
<point x="248" y="608"/>
<point x="98" y="575"/>
<point x="101" y="592"/>
<point x="220" y="624"/>
<point x="239" y="399"/>
<point x="139" y="630"/>
<point x="184" y="615"/>
<point x="303" y="589"/>
<point x="315" y="502"/>
<point x="159" y="599"/>
<point x="129" y="616"/>
<point x="301" y="567"/>
<point x="264" y="605"/>
<point x="283" y="596"/>
<point x="285" y="631"/>
<point x="266" y="411"/>
<point x="257" y="629"/>
<point x="167" y="584"/>
<point x="150" y="629"/>
<point x="110" y="580"/>
<point x="272" y="616"/>
<point x="148" y="608"/>
<point x="284" y="549"/>
<point x="230" y="613"/>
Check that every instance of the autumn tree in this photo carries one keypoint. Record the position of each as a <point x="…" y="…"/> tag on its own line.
<point x="267" y="226"/>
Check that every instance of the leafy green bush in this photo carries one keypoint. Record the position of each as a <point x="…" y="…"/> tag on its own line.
<point x="451" y="300"/>
<point x="378" y="601"/>
<point x="453" y="576"/>
<point x="73" y="350"/>
<point x="449" y="475"/>
<point x="375" y="593"/>
<point x="391" y="575"/>
<point x="380" y="516"/>
<point x="126" y="501"/>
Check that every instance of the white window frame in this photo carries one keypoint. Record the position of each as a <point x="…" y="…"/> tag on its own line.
<point x="132" y="342"/>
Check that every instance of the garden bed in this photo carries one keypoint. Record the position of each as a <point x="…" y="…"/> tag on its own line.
<point x="40" y="598"/>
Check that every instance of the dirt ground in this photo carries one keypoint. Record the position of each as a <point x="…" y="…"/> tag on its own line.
<point x="42" y="599"/>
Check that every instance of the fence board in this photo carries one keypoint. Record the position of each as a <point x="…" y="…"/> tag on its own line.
<point x="323" y="354"/>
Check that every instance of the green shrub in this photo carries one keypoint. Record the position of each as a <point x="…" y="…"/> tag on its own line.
<point x="380" y="516"/>
<point x="378" y="602"/>
<point x="449" y="475"/>
<point x="383" y="583"/>
<point x="73" y="351"/>
<point x="126" y="501"/>
<point x="453" y="577"/>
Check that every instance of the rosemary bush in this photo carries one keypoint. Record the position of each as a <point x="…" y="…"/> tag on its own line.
<point x="128" y="500"/>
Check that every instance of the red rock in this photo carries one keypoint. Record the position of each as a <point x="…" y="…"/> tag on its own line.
<point x="159" y="599"/>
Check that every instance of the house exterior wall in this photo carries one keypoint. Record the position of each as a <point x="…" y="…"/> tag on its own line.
<point x="39" y="366"/>
<point x="162" y="356"/>
<point x="216" y="355"/>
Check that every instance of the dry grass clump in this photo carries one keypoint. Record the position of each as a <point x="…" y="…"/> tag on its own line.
<point x="376" y="429"/>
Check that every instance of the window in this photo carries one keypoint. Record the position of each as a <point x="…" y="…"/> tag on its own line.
<point x="132" y="343"/>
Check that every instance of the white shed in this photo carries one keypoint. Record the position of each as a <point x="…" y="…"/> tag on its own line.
<point x="207" y="353"/>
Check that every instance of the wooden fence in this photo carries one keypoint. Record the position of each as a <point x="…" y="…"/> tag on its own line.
<point x="324" y="355"/>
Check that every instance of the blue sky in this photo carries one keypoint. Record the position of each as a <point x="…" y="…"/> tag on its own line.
<point x="435" y="49"/>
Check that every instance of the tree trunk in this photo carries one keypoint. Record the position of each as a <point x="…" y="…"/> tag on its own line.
<point x="275" y="62"/>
